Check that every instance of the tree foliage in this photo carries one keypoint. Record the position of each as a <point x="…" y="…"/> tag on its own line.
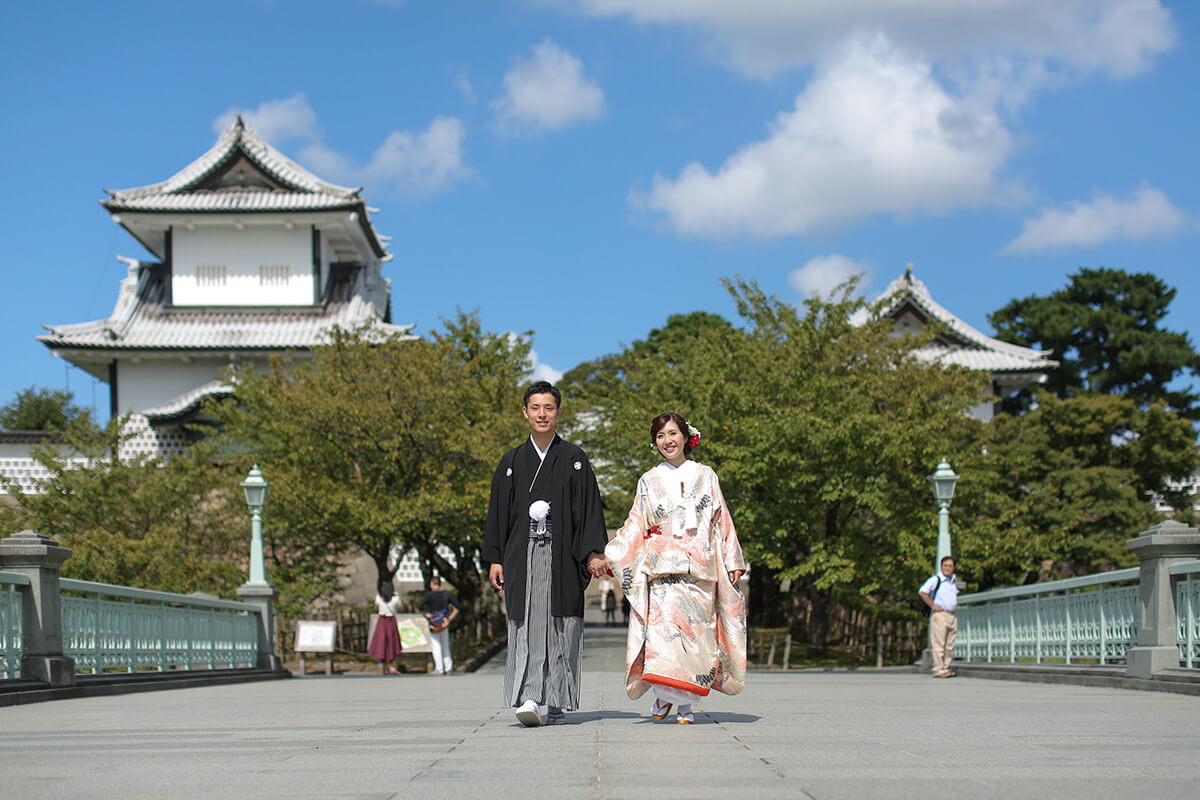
<point x="1104" y="329"/>
<point x="179" y="526"/>
<point x="822" y="433"/>
<point x="39" y="408"/>
<point x="1059" y="490"/>
<point x="380" y="447"/>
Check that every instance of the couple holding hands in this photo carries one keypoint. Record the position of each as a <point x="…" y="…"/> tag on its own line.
<point x="677" y="559"/>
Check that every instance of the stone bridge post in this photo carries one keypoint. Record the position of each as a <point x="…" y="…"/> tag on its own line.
<point x="1158" y="548"/>
<point x="40" y="558"/>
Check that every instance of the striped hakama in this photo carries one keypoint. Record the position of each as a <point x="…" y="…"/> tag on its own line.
<point x="545" y="653"/>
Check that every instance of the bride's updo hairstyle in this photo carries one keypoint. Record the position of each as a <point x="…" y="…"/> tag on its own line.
<point x="660" y="422"/>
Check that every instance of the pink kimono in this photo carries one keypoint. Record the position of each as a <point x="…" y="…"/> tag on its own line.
<point x="673" y="556"/>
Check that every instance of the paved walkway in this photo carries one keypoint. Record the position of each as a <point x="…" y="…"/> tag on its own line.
<point x="865" y="734"/>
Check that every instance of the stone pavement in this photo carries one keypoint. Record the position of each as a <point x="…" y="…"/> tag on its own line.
<point x="811" y="734"/>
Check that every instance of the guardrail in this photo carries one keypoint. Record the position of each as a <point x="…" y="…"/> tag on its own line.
<point x="10" y="622"/>
<point x="117" y="627"/>
<point x="1187" y="610"/>
<point x="1090" y="619"/>
<point x="1093" y="619"/>
<point x="51" y="627"/>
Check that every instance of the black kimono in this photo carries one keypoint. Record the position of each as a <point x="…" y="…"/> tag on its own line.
<point x="567" y="482"/>
<point x="545" y="567"/>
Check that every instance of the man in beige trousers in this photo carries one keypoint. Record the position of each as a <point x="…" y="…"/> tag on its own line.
<point x="940" y="593"/>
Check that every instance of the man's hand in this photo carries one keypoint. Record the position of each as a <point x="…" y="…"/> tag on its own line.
<point x="496" y="576"/>
<point x="597" y="565"/>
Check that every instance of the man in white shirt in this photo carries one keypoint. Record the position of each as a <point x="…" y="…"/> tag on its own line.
<point x="940" y="593"/>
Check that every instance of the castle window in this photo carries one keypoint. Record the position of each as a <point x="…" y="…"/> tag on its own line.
<point x="211" y="275"/>
<point x="274" y="274"/>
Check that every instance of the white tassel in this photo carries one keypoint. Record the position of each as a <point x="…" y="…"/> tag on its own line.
<point x="538" y="511"/>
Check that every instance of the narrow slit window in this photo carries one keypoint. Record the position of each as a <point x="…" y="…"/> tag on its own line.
<point x="274" y="274"/>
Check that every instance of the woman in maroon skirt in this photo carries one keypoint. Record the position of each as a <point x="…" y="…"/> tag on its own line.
<point x="385" y="643"/>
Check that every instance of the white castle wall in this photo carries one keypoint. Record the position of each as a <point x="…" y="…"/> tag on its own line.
<point x="256" y="266"/>
<point x="18" y="466"/>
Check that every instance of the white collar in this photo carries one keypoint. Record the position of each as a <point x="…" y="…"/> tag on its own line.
<point x="541" y="453"/>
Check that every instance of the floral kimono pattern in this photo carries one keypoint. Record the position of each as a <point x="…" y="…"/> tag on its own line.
<point x="673" y="556"/>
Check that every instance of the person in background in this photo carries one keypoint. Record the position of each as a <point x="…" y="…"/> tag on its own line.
<point x="608" y="602"/>
<point x="440" y="608"/>
<point x="940" y="593"/>
<point x="385" y="643"/>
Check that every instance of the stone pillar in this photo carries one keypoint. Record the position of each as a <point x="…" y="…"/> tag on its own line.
<point x="40" y="558"/>
<point x="263" y="596"/>
<point x="1158" y="548"/>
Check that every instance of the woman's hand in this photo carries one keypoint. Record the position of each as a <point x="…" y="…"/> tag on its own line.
<point x="736" y="575"/>
<point x="597" y="565"/>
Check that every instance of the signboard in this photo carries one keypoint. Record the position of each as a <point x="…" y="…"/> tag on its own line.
<point x="414" y="633"/>
<point x="315" y="636"/>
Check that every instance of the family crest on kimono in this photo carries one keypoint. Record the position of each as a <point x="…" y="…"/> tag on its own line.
<point x="543" y="543"/>
<point x="679" y="562"/>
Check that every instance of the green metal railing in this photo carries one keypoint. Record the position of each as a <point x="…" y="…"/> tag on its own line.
<point x="10" y="622"/>
<point x="1091" y="619"/>
<point x="1187" y="610"/>
<point x="107" y="627"/>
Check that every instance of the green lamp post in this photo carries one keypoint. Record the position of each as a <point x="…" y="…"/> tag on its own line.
<point x="255" y="487"/>
<point x="256" y="590"/>
<point x="943" y="480"/>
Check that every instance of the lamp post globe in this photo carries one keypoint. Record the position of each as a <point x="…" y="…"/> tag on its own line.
<point x="943" y="480"/>
<point x="255" y="487"/>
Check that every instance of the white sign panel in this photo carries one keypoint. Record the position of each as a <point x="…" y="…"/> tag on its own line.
<point x="315" y="636"/>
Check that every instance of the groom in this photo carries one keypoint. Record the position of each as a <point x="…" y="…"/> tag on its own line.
<point x="545" y="534"/>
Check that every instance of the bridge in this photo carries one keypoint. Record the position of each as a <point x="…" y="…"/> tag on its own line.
<point x="888" y="733"/>
<point x="882" y="733"/>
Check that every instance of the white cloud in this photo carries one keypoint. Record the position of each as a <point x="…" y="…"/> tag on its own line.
<point x="462" y="82"/>
<point x="544" y="372"/>
<point x="821" y="275"/>
<point x="872" y="133"/>
<point x="277" y="120"/>
<point x="547" y="92"/>
<point x="1147" y="213"/>
<point x="425" y="162"/>
<point x="760" y="37"/>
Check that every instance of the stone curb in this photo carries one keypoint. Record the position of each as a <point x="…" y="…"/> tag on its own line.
<point x="1114" y="677"/>
<point x="20" y="692"/>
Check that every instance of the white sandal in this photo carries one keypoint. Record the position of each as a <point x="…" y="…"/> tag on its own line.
<point x="660" y="709"/>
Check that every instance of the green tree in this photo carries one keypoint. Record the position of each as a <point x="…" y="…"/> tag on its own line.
<point x="822" y="432"/>
<point x="1104" y="329"/>
<point x="1059" y="490"/>
<point x="176" y="526"/>
<point x="39" y="408"/>
<point x="381" y="446"/>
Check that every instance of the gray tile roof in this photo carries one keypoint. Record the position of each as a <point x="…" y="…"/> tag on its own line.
<point x="968" y="347"/>
<point x="287" y="186"/>
<point x="142" y="321"/>
<point x="187" y="401"/>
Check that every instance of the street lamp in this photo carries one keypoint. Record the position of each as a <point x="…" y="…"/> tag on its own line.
<point x="943" y="480"/>
<point x="255" y="487"/>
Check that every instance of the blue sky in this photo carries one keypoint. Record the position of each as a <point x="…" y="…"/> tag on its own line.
<point x="585" y="168"/>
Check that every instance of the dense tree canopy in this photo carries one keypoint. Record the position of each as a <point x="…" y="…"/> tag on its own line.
<point x="380" y="447"/>
<point x="1104" y="329"/>
<point x="822" y="433"/>
<point x="1059" y="490"/>
<point x="39" y="408"/>
<point x="179" y="526"/>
